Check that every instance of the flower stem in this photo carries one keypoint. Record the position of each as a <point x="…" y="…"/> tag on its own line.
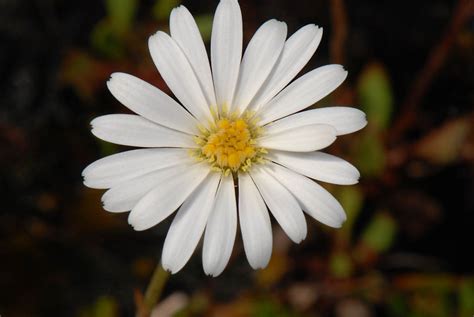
<point x="153" y="291"/>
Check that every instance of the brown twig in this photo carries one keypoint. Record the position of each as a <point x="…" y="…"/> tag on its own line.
<point x="463" y="11"/>
<point x="339" y="26"/>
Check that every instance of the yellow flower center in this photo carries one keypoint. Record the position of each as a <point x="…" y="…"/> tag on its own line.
<point x="229" y="145"/>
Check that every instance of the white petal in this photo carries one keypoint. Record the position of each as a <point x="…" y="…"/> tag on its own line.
<point x="300" y="139"/>
<point x="259" y="58"/>
<point x="226" y="50"/>
<point x="313" y="198"/>
<point x="318" y="165"/>
<point x="298" y="50"/>
<point x="162" y="201"/>
<point x="126" y="195"/>
<point x="115" y="169"/>
<point x="185" y="32"/>
<point x="282" y="204"/>
<point x="151" y="103"/>
<point x="303" y="92"/>
<point x="254" y="223"/>
<point x="188" y="225"/>
<point x="344" y="119"/>
<point x="221" y="229"/>
<point x="134" y="130"/>
<point x="178" y="74"/>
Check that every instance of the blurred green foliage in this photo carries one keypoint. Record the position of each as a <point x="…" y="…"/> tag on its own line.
<point x="370" y="154"/>
<point x="352" y="199"/>
<point x="108" y="35"/>
<point x="105" y="306"/>
<point x="380" y="232"/>
<point x="162" y="8"/>
<point x="107" y="148"/>
<point x="204" y="23"/>
<point x="266" y="308"/>
<point x="121" y="14"/>
<point x="341" y="265"/>
<point x="107" y="41"/>
<point x="466" y="297"/>
<point x="375" y="95"/>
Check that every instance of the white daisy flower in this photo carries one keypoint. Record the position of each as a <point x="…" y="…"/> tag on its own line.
<point x="236" y="144"/>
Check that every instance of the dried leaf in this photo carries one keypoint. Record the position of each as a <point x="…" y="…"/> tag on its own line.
<point x="444" y="145"/>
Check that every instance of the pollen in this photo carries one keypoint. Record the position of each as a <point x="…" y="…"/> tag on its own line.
<point x="229" y="146"/>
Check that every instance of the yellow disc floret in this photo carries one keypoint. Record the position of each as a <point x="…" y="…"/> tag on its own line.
<point x="229" y="145"/>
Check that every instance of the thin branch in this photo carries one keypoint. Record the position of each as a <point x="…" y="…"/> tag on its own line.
<point x="463" y="11"/>
<point x="339" y="26"/>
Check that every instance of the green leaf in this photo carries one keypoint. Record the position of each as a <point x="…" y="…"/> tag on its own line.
<point x="375" y="95"/>
<point x="380" y="232"/>
<point x="121" y="13"/>
<point x="162" y="8"/>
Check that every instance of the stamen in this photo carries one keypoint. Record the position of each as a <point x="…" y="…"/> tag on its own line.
<point x="229" y="144"/>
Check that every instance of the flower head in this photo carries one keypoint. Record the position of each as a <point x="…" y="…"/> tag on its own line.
<point x="239" y="126"/>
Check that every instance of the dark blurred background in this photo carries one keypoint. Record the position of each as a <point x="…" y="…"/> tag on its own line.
<point x="407" y="247"/>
